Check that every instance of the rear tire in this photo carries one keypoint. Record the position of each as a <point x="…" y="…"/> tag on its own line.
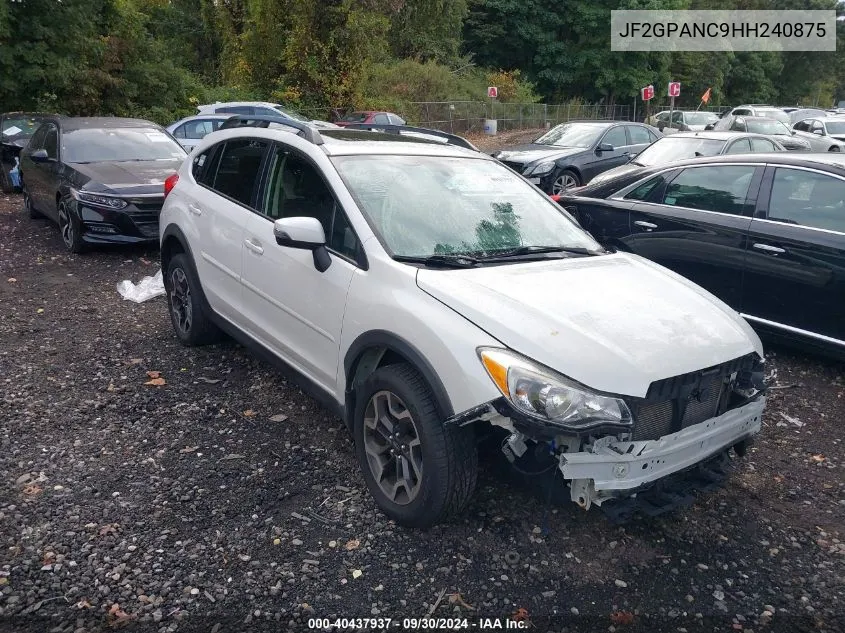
<point x="191" y="320"/>
<point x="27" y="205"/>
<point x="403" y="446"/>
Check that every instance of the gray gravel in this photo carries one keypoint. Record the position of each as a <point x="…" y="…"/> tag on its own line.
<point x="226" y="500"/>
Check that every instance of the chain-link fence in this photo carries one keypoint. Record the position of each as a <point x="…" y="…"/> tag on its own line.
<point x="461" y="117"/>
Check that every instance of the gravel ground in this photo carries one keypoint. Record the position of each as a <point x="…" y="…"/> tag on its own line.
<point x="226" y="500"/>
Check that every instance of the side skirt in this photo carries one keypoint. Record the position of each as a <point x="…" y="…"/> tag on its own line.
<point x="307" y="385"/>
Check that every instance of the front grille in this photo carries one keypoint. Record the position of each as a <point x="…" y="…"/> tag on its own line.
<point x="144" y="213"/>
<point x="675" y="403"/>
<point x="704" y="405"/>
<point x="517" y="167"/>
<point x="653" y="420"/>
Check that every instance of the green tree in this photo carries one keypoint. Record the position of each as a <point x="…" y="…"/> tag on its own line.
<point x="427" y="29"/>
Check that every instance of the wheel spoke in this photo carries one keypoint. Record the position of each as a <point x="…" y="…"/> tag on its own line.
<point x="392" y="447"/>
<point x="397" y="408"/>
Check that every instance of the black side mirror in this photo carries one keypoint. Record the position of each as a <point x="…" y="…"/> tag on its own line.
<point x="39" y="156"/>
<point x="605" y="147"/>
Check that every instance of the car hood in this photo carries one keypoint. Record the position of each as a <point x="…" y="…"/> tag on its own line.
<point x="128" y="177"/>
<point x="615" y="323"/>
<point x="533" y="152"/>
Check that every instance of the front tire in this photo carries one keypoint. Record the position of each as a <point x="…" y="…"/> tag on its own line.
<point x="70" y="229"/>
<point x="565" y="180"/>
<point x="191" y="321"/>
<point x="419" y="471"/>
<point x="5" y="181"/>
<point x="835" y="148"/>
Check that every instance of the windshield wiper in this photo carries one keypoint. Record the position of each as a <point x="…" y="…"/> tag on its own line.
<point x="439" y="261"/>
<point x="522" y="251"/>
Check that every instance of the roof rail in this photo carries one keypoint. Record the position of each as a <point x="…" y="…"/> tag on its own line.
<point x="305" y="130"/>
<point x="450" y="139"/>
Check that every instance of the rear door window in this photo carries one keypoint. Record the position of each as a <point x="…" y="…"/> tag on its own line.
<point x="762" y="145"/>
<point x="742" y="146"/>
<point x="722" y="188"/>
<point x="808" y="198"/>
<point x="639" y="135"/>
<point x="381" y="119"/>
<point x="238" y="169"/>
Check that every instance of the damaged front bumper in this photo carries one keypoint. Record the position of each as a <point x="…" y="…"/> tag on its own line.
<point x="613" y="468"/>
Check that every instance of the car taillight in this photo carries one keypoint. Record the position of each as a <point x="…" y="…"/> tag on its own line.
<point x="170" y="183"/>
<point x="555" y="197"/>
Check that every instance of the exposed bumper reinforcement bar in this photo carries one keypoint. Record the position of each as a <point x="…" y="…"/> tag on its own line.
<point x="614" y="469"/>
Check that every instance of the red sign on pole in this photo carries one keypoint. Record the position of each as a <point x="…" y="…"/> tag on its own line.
<point x="674" y="88"/>
<point x="648" y="93"/>
<point x="492" y="92"/>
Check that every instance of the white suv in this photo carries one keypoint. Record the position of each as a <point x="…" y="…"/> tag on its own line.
<point x="426" y="293"/>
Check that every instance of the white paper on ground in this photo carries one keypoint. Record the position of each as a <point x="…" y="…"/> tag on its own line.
<point x="147" y="288"/>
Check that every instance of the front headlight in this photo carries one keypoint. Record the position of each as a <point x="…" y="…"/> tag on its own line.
<point x="542" y="393"/>
<point x="542" y="168"/>
<point x="110" y="202"/>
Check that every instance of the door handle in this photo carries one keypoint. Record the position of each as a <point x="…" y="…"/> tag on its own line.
<point x="648" y="226"/>
<point x="194" y="209"/>
<point x="255" y="247"/>
<point x="768" y="248"/>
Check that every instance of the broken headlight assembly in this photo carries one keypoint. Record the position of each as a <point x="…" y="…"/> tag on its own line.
<point x="542" y="393"/>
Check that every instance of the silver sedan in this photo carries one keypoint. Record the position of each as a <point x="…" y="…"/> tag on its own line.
<point x="823" y="134"/>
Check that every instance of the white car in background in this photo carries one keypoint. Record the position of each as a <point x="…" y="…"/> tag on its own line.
<point x="261" y="108"/>
<point x="426" y="293"/>
<point x="191" y="130"/>
<point x="825" y="134"/>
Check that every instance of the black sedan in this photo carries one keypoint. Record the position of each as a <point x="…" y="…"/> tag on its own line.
<point x="100" y="179"/>
<point x="16" y="128"/>
<point x="570" y="154"/>
<point x="763" y="232"/>
<point x="684" y="145"/>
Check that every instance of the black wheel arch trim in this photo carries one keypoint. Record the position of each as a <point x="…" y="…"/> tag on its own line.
<point x="173" y="231"/>
<point x="568" y="166"/>
<point x="395" y="343"/>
